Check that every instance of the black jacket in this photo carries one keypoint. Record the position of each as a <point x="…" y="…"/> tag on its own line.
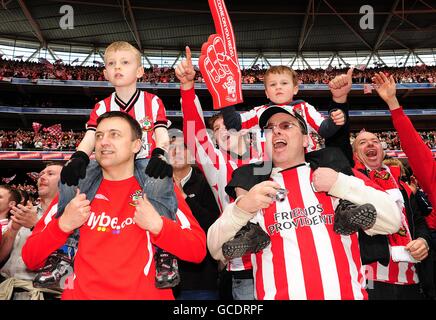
<point x="201" y="201"/>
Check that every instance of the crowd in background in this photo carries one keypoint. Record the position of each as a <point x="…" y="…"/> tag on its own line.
<point x="156" y="74"/>
<point x="25" y="140"/>
<point x="28" y="140"/>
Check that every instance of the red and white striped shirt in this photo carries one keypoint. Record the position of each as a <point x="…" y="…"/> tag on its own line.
<point x="306" y="258"/>
<point x="216" y="164"/>
<point x="313" y="118"/>
<point x="145" y="107"/>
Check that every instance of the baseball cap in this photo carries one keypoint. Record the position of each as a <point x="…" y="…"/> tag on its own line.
<point x="273" y="109"/>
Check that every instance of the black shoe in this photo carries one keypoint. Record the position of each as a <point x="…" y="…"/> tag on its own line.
<point x="167" y="270"/>
<point x="350" y="217"/>
<point x="53" y="275"/>
<point x="250" y="239"/>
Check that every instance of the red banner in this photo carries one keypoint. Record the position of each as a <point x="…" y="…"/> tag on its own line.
<point x="31" y="155"/>
<point x="218" y="61"/>
<point x="56" y="155"/>
<point x="9" y="155"/>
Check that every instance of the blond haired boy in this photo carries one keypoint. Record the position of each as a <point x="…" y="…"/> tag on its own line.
<point x="122" y="69"/>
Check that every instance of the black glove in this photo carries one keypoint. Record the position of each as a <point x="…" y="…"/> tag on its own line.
<point x="75" y="168"/>
<point x="158" y="167"/>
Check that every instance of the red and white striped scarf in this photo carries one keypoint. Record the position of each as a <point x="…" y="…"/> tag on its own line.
<point x="401" y="267"/>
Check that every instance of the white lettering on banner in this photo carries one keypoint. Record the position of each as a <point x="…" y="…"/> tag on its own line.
<point x="225" y="27"/>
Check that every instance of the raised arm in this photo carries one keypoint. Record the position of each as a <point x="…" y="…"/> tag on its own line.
<point x="419" y="155"/>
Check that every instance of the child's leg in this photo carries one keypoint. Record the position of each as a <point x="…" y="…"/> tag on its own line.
<point x="60" y="263"/>
<point x="250" y="239"/>
<point x="167" y="269"/>
<point x="160" y="192"/>
<point x="59" y="266"/>
<point x="350" y="217"/>
<point x="88" y="185"/>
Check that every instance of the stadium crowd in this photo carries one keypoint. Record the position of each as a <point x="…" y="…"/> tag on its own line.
<point x="28" y="140"/>
<point x="338" y="224"/>
<point x="60" y="71"/>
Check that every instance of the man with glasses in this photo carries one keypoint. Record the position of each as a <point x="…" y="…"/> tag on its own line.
<point x="306" y="258"/>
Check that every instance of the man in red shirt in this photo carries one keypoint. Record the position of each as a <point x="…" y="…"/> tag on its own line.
<point x="117" y="228"/>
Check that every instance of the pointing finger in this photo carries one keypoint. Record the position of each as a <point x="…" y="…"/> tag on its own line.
<point x="350" y="73"/>
<point x="188" y="54"/>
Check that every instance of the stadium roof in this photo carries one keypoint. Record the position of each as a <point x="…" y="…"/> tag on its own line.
<point x="259" y="25"/>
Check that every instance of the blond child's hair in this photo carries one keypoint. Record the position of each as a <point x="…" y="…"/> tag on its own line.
<point x="122" y="45"/>
<point x="281" y="70"/>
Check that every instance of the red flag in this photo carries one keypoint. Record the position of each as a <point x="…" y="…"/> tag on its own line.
<point x="367" y="88"/>
<point x="7" y="180"/>
<point x="8" y="155"/>
<point x="55" y="155"/>
<point x="218" y="61"/>
<point x="33" y="175"/>
<point x="360" y="67"/>
<point x="36" y="127"/>
<point x="55" y="130"/>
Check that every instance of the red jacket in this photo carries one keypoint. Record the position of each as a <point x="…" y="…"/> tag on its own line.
<point x="420" y="159"/>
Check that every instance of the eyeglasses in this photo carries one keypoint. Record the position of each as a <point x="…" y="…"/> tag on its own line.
<point x="285" y="125"/>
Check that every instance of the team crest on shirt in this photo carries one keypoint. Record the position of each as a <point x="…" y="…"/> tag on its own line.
<point x="402" y="232"/>
<point x="146" y="124"/>
<point x="135" y="197"/>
